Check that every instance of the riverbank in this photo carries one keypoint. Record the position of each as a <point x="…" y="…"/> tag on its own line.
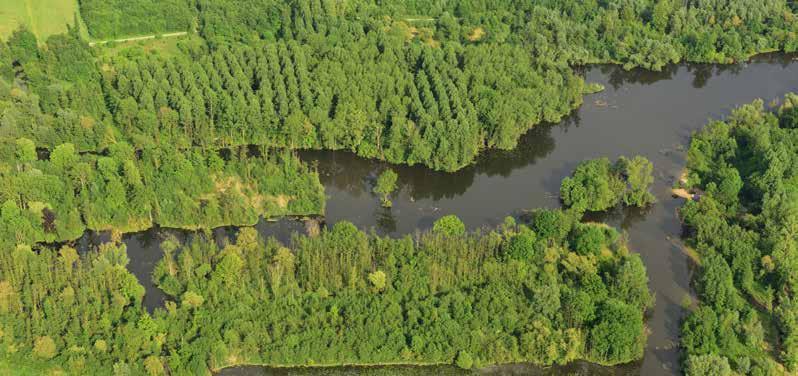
<point x="529" y="176"/>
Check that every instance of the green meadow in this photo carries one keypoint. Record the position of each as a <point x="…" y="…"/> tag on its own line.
<point x="42" y="17"/>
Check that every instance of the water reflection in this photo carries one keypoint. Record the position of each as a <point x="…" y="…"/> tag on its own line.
<point x="386" y="221"/>
<point x="620" y="217"/>
<point x="348" y="172"/>
<point x="144" y="252"/>
<point x="702" y="73"/>
<point x="533" y="146"/>
<point x="618" y="77"/>
<point x="352" y="174"/>
<point x="574" y="369"/>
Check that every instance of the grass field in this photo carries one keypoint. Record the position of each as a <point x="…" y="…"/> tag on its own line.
<point x="24" y="367"/>
<point x="42" y="17"/>
<point x="162" y="46"/>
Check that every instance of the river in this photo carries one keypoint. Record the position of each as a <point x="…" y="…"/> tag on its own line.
<point x="648" y="113"/>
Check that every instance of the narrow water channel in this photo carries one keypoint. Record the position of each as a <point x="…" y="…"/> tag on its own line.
<point x="646" y="113"/>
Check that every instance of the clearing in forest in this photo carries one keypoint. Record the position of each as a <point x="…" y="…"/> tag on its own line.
<point x="42" y="17"/>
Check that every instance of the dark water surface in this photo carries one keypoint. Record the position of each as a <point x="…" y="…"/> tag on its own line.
<point x="646" y="113"/>
<point x="577" y="368"/>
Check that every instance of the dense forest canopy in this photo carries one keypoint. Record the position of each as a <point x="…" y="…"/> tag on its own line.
<point x="648" y="33"/>
<point x="743" y="232"/>
<point x="550" y="292"/>
<point x="71" y="162"/>
<point x="58" y="198"/>
<point x="416" y="82"/>
<point x="598" y="185"/>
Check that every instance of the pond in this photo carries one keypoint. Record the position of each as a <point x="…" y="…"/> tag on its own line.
<point x="648" y="113"/>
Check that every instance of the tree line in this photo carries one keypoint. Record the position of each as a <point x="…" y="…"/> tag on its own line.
<point x="549" y="291"/>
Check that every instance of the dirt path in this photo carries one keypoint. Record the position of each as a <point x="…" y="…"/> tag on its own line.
<point x="144" y="37"/>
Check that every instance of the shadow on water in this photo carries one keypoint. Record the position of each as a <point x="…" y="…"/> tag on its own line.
<point x="575" y="369"/>
<point x="641" y="113"/>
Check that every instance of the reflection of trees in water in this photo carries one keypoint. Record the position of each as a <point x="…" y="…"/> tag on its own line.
<point x="283" y="229"/>
<point x="421" y="183"/>
<point x="341" y="170"/>
<point x="617" y="76"/>
<point x="348" y="172"/>
<point x="576" y="369"/>
<point x="703" y="72"/>
<point x="88" y="242"/>
<point x="779" y="58"/>
<point x="148" y="240"/>
<point x="386" y="221"/>
<point x="534" y="145"/>
<point x="574" y="119"/>
<point x="620" y="216"/>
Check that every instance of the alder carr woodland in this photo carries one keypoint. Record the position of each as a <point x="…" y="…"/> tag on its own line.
<point x="198" y="187"/>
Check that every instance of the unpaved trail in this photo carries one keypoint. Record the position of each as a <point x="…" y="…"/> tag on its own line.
<point x="143" y="37"/>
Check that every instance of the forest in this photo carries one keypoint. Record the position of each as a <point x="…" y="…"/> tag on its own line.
<point x="743" y="231"/>
<point x="550" y="292"/>
<point x="119" y="138"/>
<point x="69" y="164"/>
<point x="364" y="76"/>
<point x="58" y="198"/>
